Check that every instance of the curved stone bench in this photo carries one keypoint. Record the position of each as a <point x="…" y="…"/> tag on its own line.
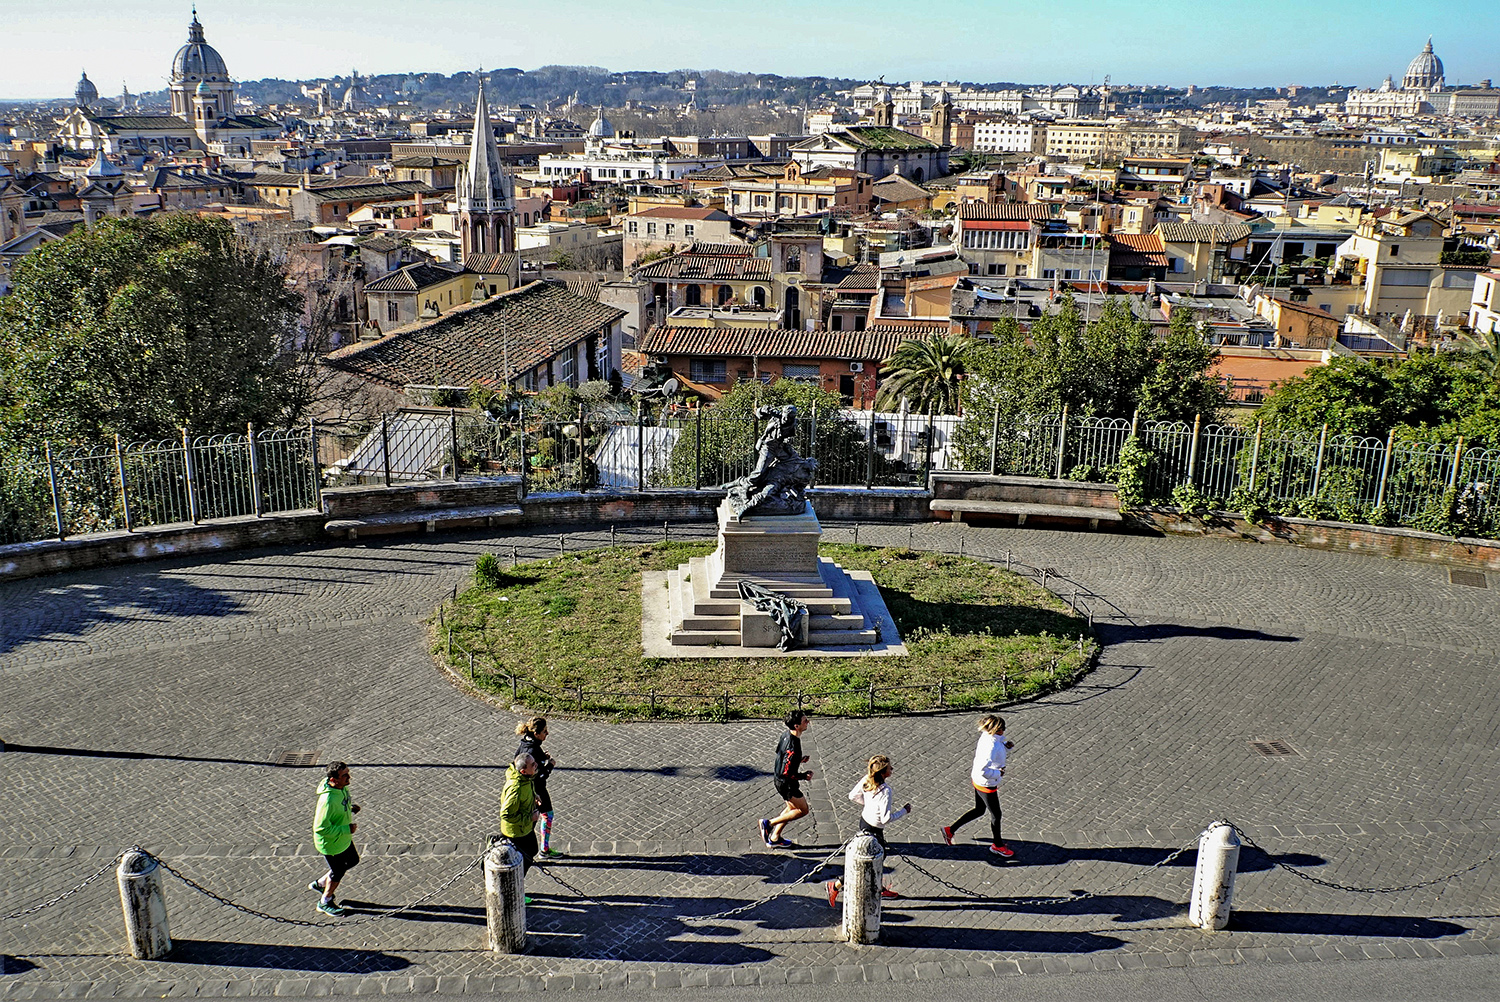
<point x="957" y="494"/>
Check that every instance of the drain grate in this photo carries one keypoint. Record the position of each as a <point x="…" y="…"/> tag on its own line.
<point x="298" y="759"/>
<point x="1272" y="747"/>
<point x="1472" y="579"/>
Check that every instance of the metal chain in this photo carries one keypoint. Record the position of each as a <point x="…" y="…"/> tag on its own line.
<point x="86" y="881"/>
<point x="741" y="909"/>
<point x="1297" y="871"/>
<point x="477" y="861"/>
<point x="570" y="888"/>
<point x="1138" y="875"/>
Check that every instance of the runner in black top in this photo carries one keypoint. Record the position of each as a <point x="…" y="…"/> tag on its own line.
<point x="532" y="733"/>
<point x="788" y="780"/>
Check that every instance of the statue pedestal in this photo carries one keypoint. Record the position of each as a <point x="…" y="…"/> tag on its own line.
<point x="779" y="552"/>
<point x="768" y="546"/>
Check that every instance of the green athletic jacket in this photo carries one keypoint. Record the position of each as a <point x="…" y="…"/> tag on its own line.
<point x="517" y="802"/>
<point x="332" y="820"/>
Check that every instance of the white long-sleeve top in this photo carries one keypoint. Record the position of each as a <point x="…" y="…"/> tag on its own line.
<point x="877" y="804"/>
<point x="989" y="761"/>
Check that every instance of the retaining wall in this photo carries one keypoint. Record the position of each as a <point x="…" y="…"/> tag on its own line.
<point x="25" y="560"/>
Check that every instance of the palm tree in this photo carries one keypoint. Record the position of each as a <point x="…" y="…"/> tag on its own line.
<point x="926" y="372"/>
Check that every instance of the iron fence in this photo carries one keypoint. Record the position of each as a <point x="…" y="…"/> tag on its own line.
<point x="67" y="491"/>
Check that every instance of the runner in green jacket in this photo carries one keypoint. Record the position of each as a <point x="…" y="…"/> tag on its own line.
<point x="333" y="835"/>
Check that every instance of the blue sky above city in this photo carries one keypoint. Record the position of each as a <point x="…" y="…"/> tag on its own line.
<point x="1079" y="41"/>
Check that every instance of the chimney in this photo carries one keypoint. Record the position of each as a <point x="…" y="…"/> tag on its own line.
<point x="421" y="209"/>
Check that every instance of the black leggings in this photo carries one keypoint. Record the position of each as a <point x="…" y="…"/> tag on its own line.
<point x="984" y="800"/>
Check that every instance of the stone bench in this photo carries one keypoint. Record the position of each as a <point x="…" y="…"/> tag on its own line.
<point x="431" y="521"/>
<point x="958" y="494"/>
<point x="379" y="510"/>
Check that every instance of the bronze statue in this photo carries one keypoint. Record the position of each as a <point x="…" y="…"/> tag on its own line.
<point x="778" y="483"/>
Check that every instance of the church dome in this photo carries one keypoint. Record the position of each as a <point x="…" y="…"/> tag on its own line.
<point x="101" y="167"/>
<point x="601" y="128"/>
<point x="1425" y="71"/>
<point x="85" y="93"/>
<point x="197" y="60"/>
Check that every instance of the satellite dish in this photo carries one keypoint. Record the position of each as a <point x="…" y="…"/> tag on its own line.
<point x="670" y="388"/>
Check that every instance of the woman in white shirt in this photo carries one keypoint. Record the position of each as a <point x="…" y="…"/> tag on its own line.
<point x="875" y="796"/>
<point x="988" y="771"/>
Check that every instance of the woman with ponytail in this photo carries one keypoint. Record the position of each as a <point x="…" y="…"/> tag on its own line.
<point x="875" y="796"/>
<point x="532" y="733"/>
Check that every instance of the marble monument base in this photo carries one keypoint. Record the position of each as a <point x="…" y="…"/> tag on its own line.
<point x="696" y="611"/>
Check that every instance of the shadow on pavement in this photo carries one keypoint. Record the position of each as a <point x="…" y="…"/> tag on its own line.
<point x="1049" y="854"/>
<point x="15" y="965"/>
<point x="452" y="914"/>
<point x="1124" y="907"/>
<point x="78" y="607"/>
<point x="643" y="927"/>
<point x="1010" y="940"/>
<point x="1112" y="633"/>
<point x="297" y="958"/>
<point x="112" y="753"/>
<point x="1333" y="924"/>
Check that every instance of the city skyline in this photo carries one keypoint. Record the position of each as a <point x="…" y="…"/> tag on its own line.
<point x="1072" y="42"/>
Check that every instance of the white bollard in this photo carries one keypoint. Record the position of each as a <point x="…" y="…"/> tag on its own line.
<point x="505" y="898"/>
<point x="864" y="862"/>
<point x="144" y="905"/>
<point x="1213" y="878"/>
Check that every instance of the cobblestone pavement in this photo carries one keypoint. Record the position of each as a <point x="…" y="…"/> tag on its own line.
<point x="150" y="704"/>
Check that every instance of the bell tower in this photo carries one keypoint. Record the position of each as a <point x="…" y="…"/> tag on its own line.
<point x="486" y="197"/>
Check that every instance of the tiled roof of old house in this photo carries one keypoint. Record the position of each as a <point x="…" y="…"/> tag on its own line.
<point x="471" y="343"/>
<point x="865" y="345"/>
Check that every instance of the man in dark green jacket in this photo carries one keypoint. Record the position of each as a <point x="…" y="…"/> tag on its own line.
<point x="518" y="808"/>
<point x="333" y="835"/>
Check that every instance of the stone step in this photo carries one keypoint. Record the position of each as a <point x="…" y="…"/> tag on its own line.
<point x="699" y="622"/>
<point x="705" y="638"/>
<point x="837" y="622"/>
<point x="840" y="638"/>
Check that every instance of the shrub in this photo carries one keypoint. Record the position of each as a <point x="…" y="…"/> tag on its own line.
<point x="1131" y="473"/>
<point x="488" y="574"/>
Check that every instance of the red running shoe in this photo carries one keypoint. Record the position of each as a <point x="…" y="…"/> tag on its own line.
<point x="886" y="892"/>
<point x="1003" y="851"/>
<point x="947" y="834"/>
<point x="833" y="894"/>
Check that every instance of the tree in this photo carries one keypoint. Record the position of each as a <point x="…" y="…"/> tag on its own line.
<point x="139" y="327"/>
<point x="926" y="372"/>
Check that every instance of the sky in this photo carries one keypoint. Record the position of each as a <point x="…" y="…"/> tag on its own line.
<point x="1268" y="43"/>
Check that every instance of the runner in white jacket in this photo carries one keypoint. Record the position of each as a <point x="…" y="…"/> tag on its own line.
<point x="874" y="795"/>
<point x="986" y="775"/>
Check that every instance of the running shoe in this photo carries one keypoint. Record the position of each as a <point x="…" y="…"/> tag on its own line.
<point x="551" y="853"/>
<point x="947" y="834"/>
<point x="329" y="908"/>
<point x="1003" y="851"/>
<point x="527" y="900"/>
<point x="765" y="831"/>
<point x="833" y="894"/>
<point x="886" y="892"/>
<point x="315" y="886"/>
<point x="784" y="843"/>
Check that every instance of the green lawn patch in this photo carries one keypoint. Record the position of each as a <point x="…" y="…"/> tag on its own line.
<point x="541" y="631"/>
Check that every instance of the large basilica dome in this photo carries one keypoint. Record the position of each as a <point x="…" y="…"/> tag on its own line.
<point x="1425" y="71"/>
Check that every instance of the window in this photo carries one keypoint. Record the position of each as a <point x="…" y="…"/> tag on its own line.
<point x="1458" y="280"/>
<point x="671" y="228"/>
<point x="760" y="201"/>
<point x="997" y="269"/>
<point x="688" y="229"/>
<point x="706" y="370"/>
<point x="801" y="372"/>
<point x="392" y="311"/>
<point x="1395" y="250"/>
<point x="1020" y="271"/>
<point x="973" y="268"/>
<point x="836" y="322"/>
<point x="1392" y="276"/>
<point x="1070" y="274"/>
<point x="567" y="367"/>
<point x="1049" y="272"/>
<point x="651" y="229"/>
<point x="822" y="203"/>
<point x="634" y="226"/>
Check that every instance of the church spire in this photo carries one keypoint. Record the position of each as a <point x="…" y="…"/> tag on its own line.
<point x="486" y="200"/>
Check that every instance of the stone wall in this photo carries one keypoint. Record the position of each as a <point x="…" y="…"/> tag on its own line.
<point x="1403" y="544"/>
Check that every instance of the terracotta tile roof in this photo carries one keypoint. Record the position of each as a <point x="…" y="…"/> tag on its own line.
<point x="719" y="250"/>
<point x="1141" y="250"/>
<point x="864" y="278"/>
<point x="1004" y="210"/>
<point x="854" y="346"/>
<point x="898" y="189"/>
<point x="490" y="264"/>
<point x="469" y="344"/>
<point x="706" y="268"/>
<point x="683" y="212"/>
<point x="1202" y="233"/>
<point x="413" y="278"/>
<point x="735" y="172"/>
